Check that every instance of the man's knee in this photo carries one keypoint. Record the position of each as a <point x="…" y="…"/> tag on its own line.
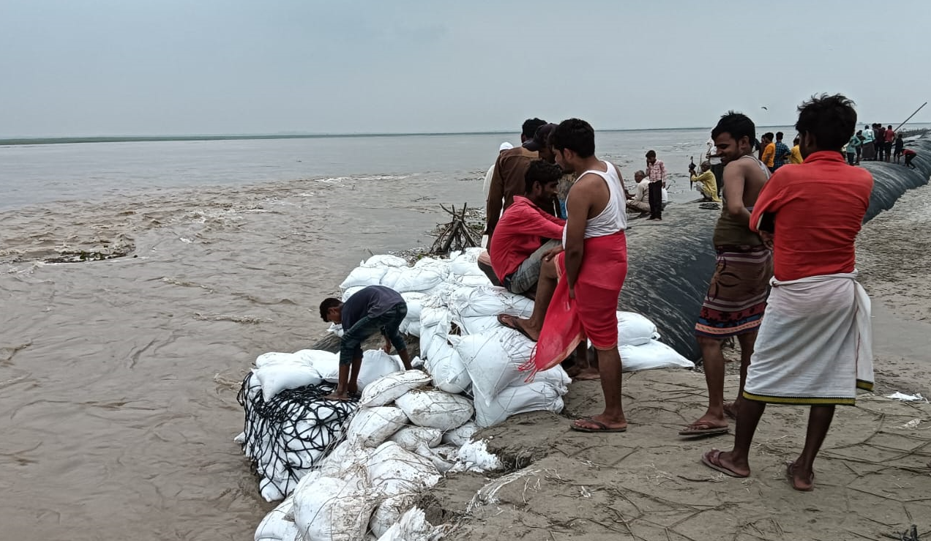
<point x="548" y="269"/>
<point x="708" y="342"/>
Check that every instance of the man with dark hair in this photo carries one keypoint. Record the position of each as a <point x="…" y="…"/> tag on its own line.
<point x="795" y="155"/>
<point x="737" y="293"/>
<point x="507" y="180"/>
<point x="579" y="287"/>
<point x="768" y="156"/>
<point x="888" y="138"/>
<point x="656" y="171"/>
<point x="371" y="309"/>
<point x="782" y="152"/>
<point x="705" y="182"/>
<point x="814" y="346"/>
<point x="879" y="135"/>
<point x="517" y="251"/>
<point x="868" y="148"/>
<point x="909" y="156"/>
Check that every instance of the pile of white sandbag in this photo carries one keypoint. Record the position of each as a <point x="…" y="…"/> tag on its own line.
<point x="401" y="441"/>
<point x="288" y="427"/>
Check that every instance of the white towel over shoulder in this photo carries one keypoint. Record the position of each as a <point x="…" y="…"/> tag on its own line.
<point x="815" y="345"/>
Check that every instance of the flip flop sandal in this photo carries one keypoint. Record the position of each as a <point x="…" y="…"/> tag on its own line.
<point x="712" y="460"/>
<point x="601" y="426"/>
<point x="710" y="431"/>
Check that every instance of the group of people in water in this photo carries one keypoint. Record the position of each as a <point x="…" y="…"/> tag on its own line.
<point x="784" y="284"/>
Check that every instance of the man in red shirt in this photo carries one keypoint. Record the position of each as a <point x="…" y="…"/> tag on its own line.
<point x="526" y="232"/>
<point x="814" y="345"/>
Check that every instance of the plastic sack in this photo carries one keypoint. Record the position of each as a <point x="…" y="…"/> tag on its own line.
<point x="478" y="324"/>
<point x="634" y="329"/>
<point x="277" y="377"/>
<point x="488" y="301"/>
<point x="377" y="364"/>
<point x="346" y="461"/>
<point x="460" y="436"/>
<point x="330" y="509"/>
<point x="417" y="279"/>
<point x="389" y="512"/>
<point x="412" y="526"/>
<point x="275" y="357"/>
<point x="278" y="524"/>
<point x="493" y="359"/>
<point x="448" y="371"/>
<point x="393" y="471"/>
<point x="350" y="292"/>
<point x="410" y="438"/>
<point x="522" y="398"/>
<point x="364" y="276"/>
<point x="372" y="426"/>
<point x="436" y="409"/>
<point x="650" y="356"/>
<point x="387" y="388"/>
<point x="315" y="357"/>
<point x="384" y="260"/>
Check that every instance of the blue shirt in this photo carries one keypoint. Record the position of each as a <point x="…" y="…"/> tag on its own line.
<point x="371" y="301"/>
<point x="782" y="152"/>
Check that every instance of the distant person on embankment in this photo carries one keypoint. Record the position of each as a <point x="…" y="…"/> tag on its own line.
<point x="517" y="251"/>
<point x="639" y="201"/>
<point x="909" y="156"/>
<point x="656" y="171"/>
<point x="782" y="152"/>
<point x="705" y="181"/>
<point x="507" y="180"/>
<point x="795" y="155"/>
<point x="868" y="147"/>
<point x="888" y="139"/>
<point x="373" y="309"/>
<point x="852" y="147"/>
<point x="737" y="293"/>
<point x="814" y="344"/>
<point x="768" y="156"/>
<point x="899" y="147"/>
<point x="491" y="170"/>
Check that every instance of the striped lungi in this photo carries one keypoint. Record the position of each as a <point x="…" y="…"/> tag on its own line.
<point x="737" y="293"/>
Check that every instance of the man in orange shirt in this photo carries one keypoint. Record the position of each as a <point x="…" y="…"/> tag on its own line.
<point x="769" y="151"/>
<point x="814" y="346"/>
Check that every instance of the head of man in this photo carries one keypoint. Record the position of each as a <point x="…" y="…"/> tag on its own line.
<point x="825" y="123"/>
<point x="541" y="143"/>
<point x="573" y="143"/>
<point x="529" y="128"/>
<point x="768" y="137"/>
<point x="651" y="157"/>
<point x="779" y="136"/>
<point x="705" y="166"/>
<point x="795" y="141"/>
<point x="330" y="310"/>
<point x="540" y="182"/>
<point x="639" y="176"/>
<point x="890" y="127"/>
<point x="734" y="136"/>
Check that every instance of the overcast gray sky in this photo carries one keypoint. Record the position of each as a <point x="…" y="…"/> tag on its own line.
<point x="147" y="67"/>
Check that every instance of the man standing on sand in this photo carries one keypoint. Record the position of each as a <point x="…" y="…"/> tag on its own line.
<point x="782" y="152"/>
<point x="579" y="287"/>
<point x="795" y="155"/>
<point x="507" y="180"/>
<point x="737" y="293"/>
<point x="868" y="147"/>
<point x="372" y="309"/>
<point x="814" y="346"/>
<point x="768" y="156"/>
<point x="656" y="170"/>
<point x="888" y="138"/>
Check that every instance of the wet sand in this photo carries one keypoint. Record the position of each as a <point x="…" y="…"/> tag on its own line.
<point x="873" y="476"/>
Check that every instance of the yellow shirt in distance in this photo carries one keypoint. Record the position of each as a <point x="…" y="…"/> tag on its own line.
<point x="769" y="155"/>
<point x="709" y="185"/>
<point x="795" y="156"/>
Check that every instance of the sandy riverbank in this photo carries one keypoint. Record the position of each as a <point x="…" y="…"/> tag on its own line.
<point x="873" y="476"/>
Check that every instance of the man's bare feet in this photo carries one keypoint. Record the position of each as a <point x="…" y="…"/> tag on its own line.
<point x="587" y="374"/>
<point x="721" y="461"/>
<point x="520" y="325"/>
<point x="801" y="481"/>
<point x="343" y="397"/>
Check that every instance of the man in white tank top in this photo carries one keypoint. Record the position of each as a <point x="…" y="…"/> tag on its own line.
<point x="589" y="270"/>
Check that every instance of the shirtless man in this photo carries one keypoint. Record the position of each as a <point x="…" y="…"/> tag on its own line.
<point x="585" y="279"/>
<point x="738" y="290"/>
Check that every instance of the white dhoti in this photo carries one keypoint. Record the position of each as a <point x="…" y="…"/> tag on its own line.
<point x="815" y="343"/>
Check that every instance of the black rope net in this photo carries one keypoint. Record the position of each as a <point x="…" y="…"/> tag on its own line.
<point x="289" y="435"/>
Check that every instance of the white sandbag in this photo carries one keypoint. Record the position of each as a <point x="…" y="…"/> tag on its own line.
<point x="478" y="324"/>
<point x="417" y="279"/>
<point x="391" y="277"/>
<point x="327" y="367"/>
<point x="364" y="276"/>
<point x="278" y="524"/>
<point x="412" y="526"/>
<point x="493" y="359"/>
<point x="393" y="471"/>
<point x="448" y="371"/>
<point x="350" y="292"/>
<point x="443" y="463"/>
<point x="556" y="376"/>
<point x="372" y="426"/>
<point x="412" y="437"/>
<point x="346" y="461"/>
<point x="336" y="329"/>
<point x="488" y="301"/>
<point x="377" y="364"/>
<point x="471" y="281"/>
<point x="411" y="323"/>
<point x="634" y="329"/>
<point x="269" y="491"/>
<point x="474" y="457"/>
<point x="314" y="357"/>
<point x="460" y="436"/>
<point x="330" y="509"/>
<point x="384" y="260"/>
<point x="465" y="265"/>
<point x="521" y="398"/>
<point x="277" y="377"/>
<point x="433" y="315"/>
<point x="387" y="388"/>
<point x="436" y="409"/>
<point x="274" y="357"/>
<point x="389" y="512"/>
<point x="651" y="355"/>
